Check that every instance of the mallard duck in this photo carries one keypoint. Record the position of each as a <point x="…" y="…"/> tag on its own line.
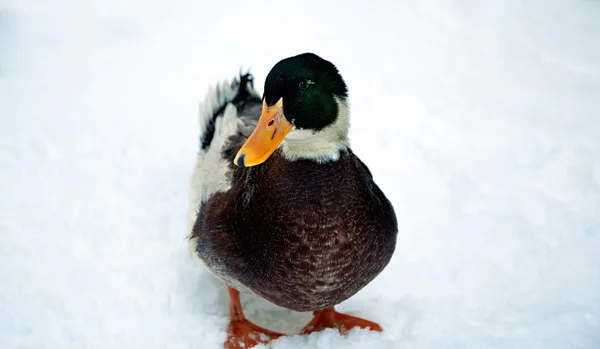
<point x="280" y="206"/>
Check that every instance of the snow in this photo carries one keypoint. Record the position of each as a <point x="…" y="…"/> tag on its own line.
<point x="480" y="121"/>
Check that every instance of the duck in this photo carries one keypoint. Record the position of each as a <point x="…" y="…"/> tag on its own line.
<point x="280" y="207"/>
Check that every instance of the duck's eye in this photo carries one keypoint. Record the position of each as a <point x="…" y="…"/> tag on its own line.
<point x="303" y="84"/>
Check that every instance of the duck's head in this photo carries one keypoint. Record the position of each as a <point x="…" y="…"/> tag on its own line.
<point x="304" y="112"/>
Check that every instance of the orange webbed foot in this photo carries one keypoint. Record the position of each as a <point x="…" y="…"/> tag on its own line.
<point x="329" y="318"/>
<point x="242" y="334"/>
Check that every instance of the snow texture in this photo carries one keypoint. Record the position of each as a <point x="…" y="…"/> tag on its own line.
<point x="479" y="119"/>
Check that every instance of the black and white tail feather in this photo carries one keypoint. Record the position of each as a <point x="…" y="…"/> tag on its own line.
<point x="230" y="108"/>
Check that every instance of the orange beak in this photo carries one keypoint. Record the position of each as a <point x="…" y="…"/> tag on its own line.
<point x="270" y="131"/>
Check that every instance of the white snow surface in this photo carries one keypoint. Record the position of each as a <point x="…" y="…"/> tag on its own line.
<point x="480" y="120"/>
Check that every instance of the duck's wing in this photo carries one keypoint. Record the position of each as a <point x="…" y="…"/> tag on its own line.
<point x="227" y="117"/>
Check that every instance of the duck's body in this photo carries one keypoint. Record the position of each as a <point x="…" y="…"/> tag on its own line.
<point x="302" y="235"/>
<point x="305" y="228"/>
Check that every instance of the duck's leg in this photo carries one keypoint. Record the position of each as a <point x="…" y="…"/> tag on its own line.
<point x="329" y="318"/>
<point x="242" y="334"/>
